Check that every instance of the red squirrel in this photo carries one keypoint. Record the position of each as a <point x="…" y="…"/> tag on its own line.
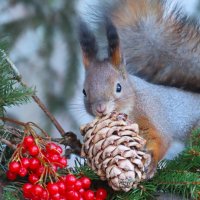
<point x="165" y="114"/>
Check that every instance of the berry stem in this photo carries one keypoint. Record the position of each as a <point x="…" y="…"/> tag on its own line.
<point x="35" y="125"/>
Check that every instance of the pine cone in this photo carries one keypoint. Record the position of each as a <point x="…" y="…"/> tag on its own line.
<point x="115" y="151"/>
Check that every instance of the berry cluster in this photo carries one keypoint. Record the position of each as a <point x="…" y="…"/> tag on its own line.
<point x="66" y="188"/>
<point x="37" y="160"/>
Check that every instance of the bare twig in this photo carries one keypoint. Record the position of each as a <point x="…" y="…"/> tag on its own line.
<point x="8" y="143"/>
<point x="12" y="121"/>
<point x="49" y="115"/>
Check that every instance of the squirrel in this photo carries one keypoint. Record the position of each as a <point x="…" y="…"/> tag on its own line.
<point x="141" y="36"/>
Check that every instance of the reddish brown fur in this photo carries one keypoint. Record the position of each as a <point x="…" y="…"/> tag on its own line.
<point x="168" y="53"/>
<point x="129" y="11"/>
<point x="116" y="57"/>
<point x="86" y="60"/>
<point x="156" y="144"/>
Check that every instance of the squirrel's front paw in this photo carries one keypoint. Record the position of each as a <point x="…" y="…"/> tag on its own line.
<point x="151" y="168"/>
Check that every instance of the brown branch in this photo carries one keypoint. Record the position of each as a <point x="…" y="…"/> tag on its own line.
<point x="12" y="121"/>
<point x="49" y="115"/>
<point x="8" y="143"/>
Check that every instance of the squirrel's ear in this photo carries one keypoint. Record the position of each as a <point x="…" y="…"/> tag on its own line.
<point x="114" y="51"/>
<point x="88" y="44"/>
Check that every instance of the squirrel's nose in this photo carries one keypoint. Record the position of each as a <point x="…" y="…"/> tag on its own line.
<point x="101" y="108"/>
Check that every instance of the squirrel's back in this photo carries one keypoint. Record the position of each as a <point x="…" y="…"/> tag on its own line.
<point x="173" y="112"/>
<point x="159" y="45"/>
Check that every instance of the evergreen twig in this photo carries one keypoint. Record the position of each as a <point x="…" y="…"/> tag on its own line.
<point x="36" y="98"/>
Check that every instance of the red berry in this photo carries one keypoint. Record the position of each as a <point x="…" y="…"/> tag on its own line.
<point x="59" y="149"/>
<point x="62" y="162"/>
<point x="101" y="193"/>
<point x="33" y="150"/>
<point x="37" y="190"/>
<point x="23" y="171"/>
<point x="55" y="158"/>
<point x="40" y="170"/>
<point x="56" y="196"/>
<point x="28" y="141"/>
<point x="88" y="195"/>
<point x="70" y="180"/>
<point x="63" y="198"/>
<point x="62" y="187"/>
<point x="33" y="178"/>
<point x="25" y="162"/>
<point x="54" y="167"/>
<point x="27" y="190"/>
<point x="14" y="167"/>
<point x="23" y="149"/>
<point x="78" y="185"/>
<point x="45" y="195"/>
<point x="51" y="148"/>
<point x="69" y="187"/>
<point x="81" y="191"/>
<point x="86" y="182"/>
<point x="34" y="163"/>
<point x="72" y="195"/>
<point x="47" y="156"/>
<point x="11" y="176"/>
<point x="52" y="188"/>
<point x="35" y="198"/>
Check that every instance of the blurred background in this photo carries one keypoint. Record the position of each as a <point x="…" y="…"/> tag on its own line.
<point x="42" y="42"/>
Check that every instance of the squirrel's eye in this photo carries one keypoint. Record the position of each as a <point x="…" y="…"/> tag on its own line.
<point x="118" y="88"/>
<point x="84" y="93"/>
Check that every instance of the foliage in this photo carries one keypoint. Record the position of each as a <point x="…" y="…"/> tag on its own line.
<point x="11" y="91"/>
<point x="180" y="176"/>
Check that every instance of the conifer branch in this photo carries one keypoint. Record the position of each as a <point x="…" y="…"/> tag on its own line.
<point x="69" y="138"/>
<point x="18" y="77"/>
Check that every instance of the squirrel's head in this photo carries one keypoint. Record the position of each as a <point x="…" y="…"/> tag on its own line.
<point x="106" y="87"/>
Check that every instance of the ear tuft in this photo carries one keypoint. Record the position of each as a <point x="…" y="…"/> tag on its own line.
<point x="114" y="52"/>
<point x="88" y="43"/>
